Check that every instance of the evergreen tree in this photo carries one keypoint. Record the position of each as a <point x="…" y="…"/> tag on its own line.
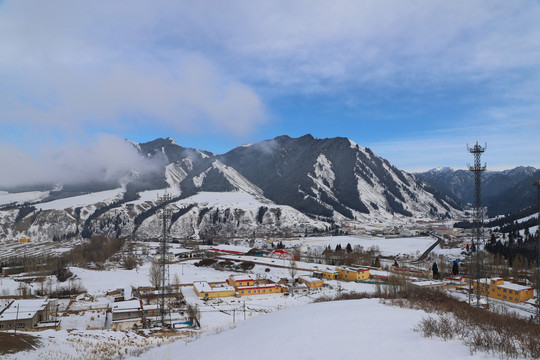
<point x="349" y="248"/>
<point x="435" y="269"/>
<point x="455" y="268"/>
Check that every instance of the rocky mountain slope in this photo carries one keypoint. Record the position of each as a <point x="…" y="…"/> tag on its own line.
<point x="281" y="186"/>
<point x="503" y="192"/>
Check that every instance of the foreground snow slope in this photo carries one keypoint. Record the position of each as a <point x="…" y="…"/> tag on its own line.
<point x="353" y="329"/>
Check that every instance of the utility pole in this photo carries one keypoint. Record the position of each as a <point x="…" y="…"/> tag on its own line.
<point x="537" y="184"/>
<point x="478" y="218"/>
<point x="16" y="319"/>
<point x="165" y="215"/>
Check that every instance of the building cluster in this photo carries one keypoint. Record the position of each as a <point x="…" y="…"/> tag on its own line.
<point x="28" y="314"/>
<point x="245" y="285"/>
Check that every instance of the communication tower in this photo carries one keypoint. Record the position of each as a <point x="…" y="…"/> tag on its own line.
<point x="537" y="184"/>
<point x="478" y="215"/>
<point x="163" y="288"/>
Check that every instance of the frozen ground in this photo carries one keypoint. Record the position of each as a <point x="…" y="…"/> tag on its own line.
<point x="354" y="329"/>
<point x="388" y="247"/>
<point x="82" y="200"/>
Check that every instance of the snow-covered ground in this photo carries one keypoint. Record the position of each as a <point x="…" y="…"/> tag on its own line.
<point x="387" y="247"/>
<point x="235" y="199"/>
<point x="21" y="198"/>
<point x="353" y="329"/>
<point x="83" y="200"/>
<point x="261" y="326"/>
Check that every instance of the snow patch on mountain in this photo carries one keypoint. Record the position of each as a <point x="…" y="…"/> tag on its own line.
<point x="174" y="174"/>
<point x="106" y="197"/>
<point x="22" y="198"/>
<point x="198" y="180"/>
<point x="323" y="170"/>
<point x="236" y="179"/>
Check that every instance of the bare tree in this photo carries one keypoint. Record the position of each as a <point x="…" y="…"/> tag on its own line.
<point x="155" y="275"/>
<point x="295" y="253"/>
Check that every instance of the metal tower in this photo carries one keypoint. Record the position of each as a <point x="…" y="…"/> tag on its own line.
<point x="165" y="216"/>
<point x="537" y="184"/>
<point x="478" y="216"/>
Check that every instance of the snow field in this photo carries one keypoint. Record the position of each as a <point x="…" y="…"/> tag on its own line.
<point x="350" y="329"/>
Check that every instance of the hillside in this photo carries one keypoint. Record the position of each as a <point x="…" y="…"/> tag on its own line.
<point x="350" y="329"/>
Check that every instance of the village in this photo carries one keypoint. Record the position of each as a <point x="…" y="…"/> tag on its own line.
<point x="211" y="286"/>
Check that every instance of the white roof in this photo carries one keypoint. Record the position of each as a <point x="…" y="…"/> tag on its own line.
<point x="309" y="278"/>
<point x="236" y="278"/>
<point x="427" y="283"/>
<point x="126" y="305"/>
<point x="507" y="285"/>
<point x="23" y="309"/>
<point x="203" y="286"/>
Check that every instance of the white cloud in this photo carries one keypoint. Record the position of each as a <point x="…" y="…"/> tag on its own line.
<point x="60" y="70"/>
<point x="107" y="159"/>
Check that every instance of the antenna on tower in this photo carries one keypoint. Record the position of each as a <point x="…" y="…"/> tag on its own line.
<point x="478" y="216"/>
<point x="165" y="216"/>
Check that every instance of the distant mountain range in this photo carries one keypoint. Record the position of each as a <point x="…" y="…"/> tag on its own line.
<point x="279" y="186"/>
<point x="503" y="192"/>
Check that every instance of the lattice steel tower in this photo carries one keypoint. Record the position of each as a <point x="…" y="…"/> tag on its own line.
<point x="537" y="184"/>
<point x="163" y="288"/>
<point x="478" y="216"/>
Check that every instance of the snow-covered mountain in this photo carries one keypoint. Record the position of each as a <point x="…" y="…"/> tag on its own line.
<point x="503" y="192"/>
<point x="280" y="186"/>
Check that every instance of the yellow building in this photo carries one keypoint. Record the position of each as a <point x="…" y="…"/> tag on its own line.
<point x="259" y="289"/>
<point x="352" y="274"/>
<point x="206" y="290"/>
<point x="311" y="282"/>
<point x="326" y="274"/>
<point x="240" y="280"/>
<point x="497" y="288"/>
<point x="24" y="240"/>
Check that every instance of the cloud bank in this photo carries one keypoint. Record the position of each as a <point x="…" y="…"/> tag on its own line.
<point x="107" y="159"/>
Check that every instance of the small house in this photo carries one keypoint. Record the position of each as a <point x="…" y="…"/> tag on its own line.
<point x="352" y="274"/>
<point x="26" y="314"/>
<point x="240" y="280"/>
<point x="497" y="288"/>
<point x="205" y="290"/>
<point x="299" y="289"/>
<point x="311" y="282"/>
<point x="326" y="274"/>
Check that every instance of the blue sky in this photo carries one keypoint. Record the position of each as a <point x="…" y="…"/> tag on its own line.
<point x="414" y="81"/>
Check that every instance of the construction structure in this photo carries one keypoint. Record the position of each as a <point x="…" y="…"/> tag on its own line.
<point x="478" y="218"/>
<point x="163" y="288"/>
<point x="537" y="184"/>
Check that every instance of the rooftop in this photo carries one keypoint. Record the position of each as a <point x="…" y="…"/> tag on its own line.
<point x="506" y="284"/>
<point x="23" y="309"/>
<point x="203" y="286"/>
<point x="237" y="278"/>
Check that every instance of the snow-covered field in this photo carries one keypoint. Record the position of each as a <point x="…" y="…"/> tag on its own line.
<point x="387" y="247"/>
<point x="21" y="198"/>
<point x="83" y="200"/>
<point x="260" y="326"/>
<point x="353" y="329"/>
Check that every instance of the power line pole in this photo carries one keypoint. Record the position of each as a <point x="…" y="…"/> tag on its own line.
<point x="478" y="218"/>
<point x="165" y="215"/>
<point x="537" y="184"/>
